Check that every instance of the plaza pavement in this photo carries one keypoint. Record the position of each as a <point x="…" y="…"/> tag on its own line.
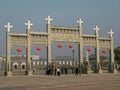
<point x="104" y="81"/>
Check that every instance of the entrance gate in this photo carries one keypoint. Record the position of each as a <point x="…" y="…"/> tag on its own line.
<point x="58" y="33"/>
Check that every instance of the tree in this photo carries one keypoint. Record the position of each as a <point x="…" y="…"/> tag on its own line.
<point x="117" y="54"/>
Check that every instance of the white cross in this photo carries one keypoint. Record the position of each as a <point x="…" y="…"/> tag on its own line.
<point x="48" y="19"/>
<point x="96" y="29"/>
<point x="111" y="33"/>
<point x="28" y="24"/>
<point x="80" y="22"/>
<point x="8" y="26"/>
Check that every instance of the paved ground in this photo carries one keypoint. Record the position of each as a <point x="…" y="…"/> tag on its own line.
<point x="105" y="81"/>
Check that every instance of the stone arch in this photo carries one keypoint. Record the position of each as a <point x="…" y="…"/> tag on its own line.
<point x="30" y="38"/>
<point x="23" y="65"/>
<point x="15" y="65"/>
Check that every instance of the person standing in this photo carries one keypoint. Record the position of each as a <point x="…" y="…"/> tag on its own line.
<point x="58" y="71"/>
<point x="66" y="71"/>
<point x="55" y="71"/>
<point x="48" y="71"/>
<point x="77" y="71"/>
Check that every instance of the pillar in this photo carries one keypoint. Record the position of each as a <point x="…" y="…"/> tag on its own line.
<point x="28" y="55"/>
<point x="97" y="50"/>
<point x="80" y="51"/>
<point x="97" y="63"/>
<point x="49" y="45"/>
<point x="8" y="71"/>
<point x="111" y="68"/>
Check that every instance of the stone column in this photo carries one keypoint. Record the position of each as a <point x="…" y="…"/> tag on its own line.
<point x="28" y="55"/>
<point x="48" y="28"/>
<point x="97" y="49"/>
<point x="49" y="45"/>
<point x="80" y="46"/>
<point x="8" y="71"/>
<point x="112" y="68"/>
<point x="28" y="50"/>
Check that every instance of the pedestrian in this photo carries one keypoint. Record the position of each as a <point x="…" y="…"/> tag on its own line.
<point x="77" y="71"/>
<point x="55" y="71"/>
<point x="48" y="71"/>
<point x="34" y="70"/>
<point x="119" y="67"/>
<point x="66" y="71"/>
<point x="58" y="71"/>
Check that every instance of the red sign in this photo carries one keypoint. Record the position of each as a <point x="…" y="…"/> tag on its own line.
<point x="70" y="46"/>
<point x="104" y="51"/>
<point x="38" y="48"/>
<point x="60" y="45"/>
<point x="19" y="50"/>
<point x="89" y="49"/>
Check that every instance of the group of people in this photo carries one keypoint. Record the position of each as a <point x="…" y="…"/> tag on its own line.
<point x="53" y="71"/>
<point x="57" y="71"/>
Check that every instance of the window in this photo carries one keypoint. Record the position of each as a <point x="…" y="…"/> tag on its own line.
<point x="23" y="66"/>
<point x="15" y="67"/>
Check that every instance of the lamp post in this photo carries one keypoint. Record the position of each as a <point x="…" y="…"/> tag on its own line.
<point x="73" y="51"/>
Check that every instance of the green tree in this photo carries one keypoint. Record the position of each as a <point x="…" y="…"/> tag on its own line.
<point x="117" y="54"/>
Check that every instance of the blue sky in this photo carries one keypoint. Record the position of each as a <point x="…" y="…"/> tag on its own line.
<point x="104" y="13"/>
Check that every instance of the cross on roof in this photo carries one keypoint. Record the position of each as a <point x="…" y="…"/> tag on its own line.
<point x="28" y="24"/>
<point x="8" y="26"/>
<point x="96" y="29"/>
<point x="111" y="33"/>
<point x="80" y="22"/>
<point x="48" y="19"/>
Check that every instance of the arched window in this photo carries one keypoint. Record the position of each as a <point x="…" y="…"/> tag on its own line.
<point x="23" y="65"/>
<point x="15" y="65"/>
